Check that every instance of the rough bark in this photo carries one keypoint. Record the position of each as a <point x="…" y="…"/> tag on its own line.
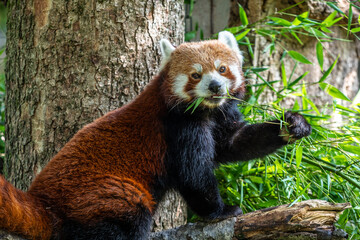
<point x="345" y="74"/>
<point x="70" y="62"/>
<point x="307" y="220"/>
<point x="172" y="212"/>
<point x="312" y="219"/>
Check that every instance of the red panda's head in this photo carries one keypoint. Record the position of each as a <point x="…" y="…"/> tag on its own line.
<point x="208" y="69"/>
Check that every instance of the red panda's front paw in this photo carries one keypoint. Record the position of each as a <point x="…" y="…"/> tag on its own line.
<point x="231" y="211"/>
<point x="227" y="211"/>
<point x="297" y="127"/>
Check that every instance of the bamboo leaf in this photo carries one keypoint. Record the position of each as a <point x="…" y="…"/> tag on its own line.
<point x="283" y="75"/>
<point x="243" y="17"/>
<point x="333" y="91"/>
<point x="298" y="79"/>
<point x="296" y="106"/>
<point x="296" y="37"/>
<point x="272" y="47"/>
<point x="316" y="32"/>
<point x="280" y="21"/>
<point x="324" y="29"/>
<point x="266" y="82"/>
<point x="299" y="153"/>
<point x="293" y="70"/>
<point x="327" y="73"/>
<point x="259" y="69"/>
<point x="198" y="101"/>
<point x="329" y="19"/>
<point x="310" y="21"/>
<point x="345" y="109"/>
<point x="190" y="35"/>
<point x="336" y="8"/>
<point x="355" y="30"/>
<point x="241" y="191"/>
<point x="304" y="94"/>
<point x="251" y="52"/>
<point x="335" y="21"/>
<point x="266" y="32"/>
<point x="235" y="193"/>
<point x="300" y="195"/>
<point x="297" y="21"/>
<point x="194" y="104"/>
<point x="283" y="55"/>
<point x="356" y="100"/>
<point x="235" y="30"/>
<point x="320" y="55"/>
<point x="256" y="179"/>
<point x="351" y="149"/>
<point x="242" y="35"/>
<point x="299" y="57"/>
<point x="191" y="3"/>
<point x="312" y="104"/>
<point x="349" y="20"/>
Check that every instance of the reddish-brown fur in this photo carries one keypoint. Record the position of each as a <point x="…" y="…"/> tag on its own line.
<point x="107" y="167"/>
<point x="204" y="53"/>
<point x="18" y="208"/>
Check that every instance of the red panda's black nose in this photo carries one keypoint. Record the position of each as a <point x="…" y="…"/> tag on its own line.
<point x="214" y="86"/>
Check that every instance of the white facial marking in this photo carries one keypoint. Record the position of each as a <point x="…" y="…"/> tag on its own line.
<point x="211" y="104"/>
<point x="198" y="67"/>
<point x="202" y="88"/>
<point x="179" y="86"/>
<point x="236" y="72"/>
<point x="217" y="63"/>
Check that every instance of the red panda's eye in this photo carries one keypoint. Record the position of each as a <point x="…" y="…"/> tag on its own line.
<point x="196" y="76"/>
<point x="222" y="69"/>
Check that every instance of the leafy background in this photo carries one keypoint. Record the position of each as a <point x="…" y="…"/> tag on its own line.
<point x="322" y="166"/>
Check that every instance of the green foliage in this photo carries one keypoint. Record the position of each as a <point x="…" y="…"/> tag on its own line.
<point x="194" y="104"/>
<point x="191" y="35"/>
<point x="325" y="165"/>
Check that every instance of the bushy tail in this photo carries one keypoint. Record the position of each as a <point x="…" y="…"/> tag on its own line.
<point x="22" y="214"/>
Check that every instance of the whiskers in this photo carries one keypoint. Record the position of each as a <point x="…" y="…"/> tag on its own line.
<point x="221" y="108"/>
<point x="173" y="102"/>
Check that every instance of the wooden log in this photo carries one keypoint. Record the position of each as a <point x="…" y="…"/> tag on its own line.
<point x="307" y="220"/>
<point x="312" y="219"/>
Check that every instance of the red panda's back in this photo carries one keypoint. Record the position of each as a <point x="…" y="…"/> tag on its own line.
<point x="126" y="146"/>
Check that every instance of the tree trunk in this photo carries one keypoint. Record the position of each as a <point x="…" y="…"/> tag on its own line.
<point x="69" y="62"/>
<point x="345" y="74"/>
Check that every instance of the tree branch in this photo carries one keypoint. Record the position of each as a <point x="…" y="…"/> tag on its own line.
<point x="311" y="219"/>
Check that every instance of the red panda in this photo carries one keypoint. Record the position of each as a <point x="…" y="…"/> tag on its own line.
<point x="106" y="182"/>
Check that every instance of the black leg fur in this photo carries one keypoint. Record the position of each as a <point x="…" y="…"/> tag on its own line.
<point x="108" y="230"/>
<point x="241" y="142"/>
<point x="197" y="142"/>
<point x="190" y="165"/>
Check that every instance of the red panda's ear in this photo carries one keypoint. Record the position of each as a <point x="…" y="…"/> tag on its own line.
<point x="229" y="39"/>
<point x="166" y="49"/>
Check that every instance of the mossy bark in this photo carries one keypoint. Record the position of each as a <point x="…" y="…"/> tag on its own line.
<point x="69" y="62"/>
